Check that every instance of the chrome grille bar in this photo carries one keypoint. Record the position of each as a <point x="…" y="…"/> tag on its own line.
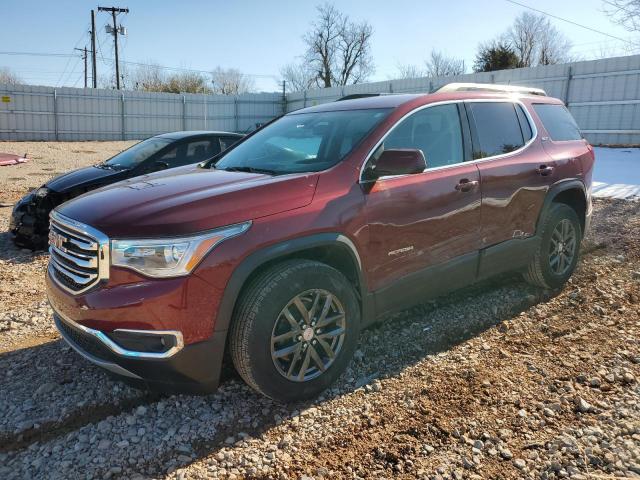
<point x="84" y="261"/>
<point x="79" y="254"/>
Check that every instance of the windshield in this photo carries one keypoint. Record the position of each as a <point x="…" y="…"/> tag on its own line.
<point x="138" y="153"/>
<point x="306" y="142"/>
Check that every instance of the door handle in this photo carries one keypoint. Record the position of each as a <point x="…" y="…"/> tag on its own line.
<point x="466" y="185"/>
<point x="544" y="170"/>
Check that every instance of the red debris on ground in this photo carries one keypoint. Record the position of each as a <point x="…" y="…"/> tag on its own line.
<point x="11" y="159"/>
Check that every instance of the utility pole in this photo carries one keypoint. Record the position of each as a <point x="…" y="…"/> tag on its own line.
<point x="94" y="74"/>
<point x="284" y="97"/>
<point x="115" y="30"/>
<point x="84" y="57"/>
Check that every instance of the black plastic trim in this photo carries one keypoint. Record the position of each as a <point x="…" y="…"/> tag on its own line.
<point x="552" y="193"/>
<point x="286" y="248"/>
<point x="427" y="283"/>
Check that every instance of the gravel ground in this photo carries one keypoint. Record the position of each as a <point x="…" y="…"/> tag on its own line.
<point x="500" y="380"/>
<point x="49" y="159"/>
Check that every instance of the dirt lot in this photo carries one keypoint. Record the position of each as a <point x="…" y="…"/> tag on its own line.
<point x="49" y="159"/>
<point x="497" y="381"/>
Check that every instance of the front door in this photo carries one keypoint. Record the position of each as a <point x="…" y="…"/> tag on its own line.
<point x="420" y="225"/>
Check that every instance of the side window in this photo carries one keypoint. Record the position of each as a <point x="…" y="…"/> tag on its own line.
<point x="199" y="150"/>
<point x="434" y="130"/>
<point x="558" y="122"/>
<point x="525" y="126"/>
<point x="497" y="128"/>
<point x="170" y="156"/>
<point x="226" y="142"/>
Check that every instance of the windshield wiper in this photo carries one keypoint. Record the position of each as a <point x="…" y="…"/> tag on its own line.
<point x="266" y="171"/>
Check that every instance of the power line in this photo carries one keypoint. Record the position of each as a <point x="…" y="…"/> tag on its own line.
<point x="67" y="64"/>
<point x="570" y="21"/>
<point x="139" y="64"/>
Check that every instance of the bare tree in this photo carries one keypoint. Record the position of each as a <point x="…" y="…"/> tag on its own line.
<point x="523" y="37"/>
<point x="338" y="50"/>
<point x="355" y="63"/>
<point x="536" y="41"/>
<point x="231" y="81"/>
<point x="625" y="13"/>
<point x="553" y="47"/>
<point x="299" y="76"/>
<point x="149" y="78"/>
<point x="7" y="77"/>
<point x="439" y="65"/>
<point x="409" y="71"/>
<point x="186" y="82"/>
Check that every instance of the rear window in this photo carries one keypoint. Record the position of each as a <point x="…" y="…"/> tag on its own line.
<point x="558" y="122"/>
<point x="497" y="127"/>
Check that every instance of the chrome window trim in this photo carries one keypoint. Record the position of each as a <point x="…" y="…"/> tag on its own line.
<point x="532" y="124"/>
<point x="73" y="227"/>
<point x="123" y="352"/>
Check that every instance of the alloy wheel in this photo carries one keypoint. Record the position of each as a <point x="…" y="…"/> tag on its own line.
<point x="562" y="247"/>
<point x="308" y="335"/>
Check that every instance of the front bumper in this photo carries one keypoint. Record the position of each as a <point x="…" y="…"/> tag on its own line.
<point x="194" y="368"/>
<point x="100" y="325"/>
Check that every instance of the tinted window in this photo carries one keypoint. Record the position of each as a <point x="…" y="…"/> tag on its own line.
<point x="138" y="153"/>
<point x="202" y="149"/>
<point x="303" y="142"/>
<point x="226" y="142"/>
<point x="558" y="122"/>
<point x="434" y="130"/>
<point x="497" y="127"/>
<point x="187" y="152"/>
<point x="524" y="124"/>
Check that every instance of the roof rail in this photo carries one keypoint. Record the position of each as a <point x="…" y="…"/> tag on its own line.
<point x="490" y="87"/>
<point x="362" y="95"/>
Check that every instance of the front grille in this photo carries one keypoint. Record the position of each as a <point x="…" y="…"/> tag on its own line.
<point x="84" y="341"/>
<point x="77" y="258"/>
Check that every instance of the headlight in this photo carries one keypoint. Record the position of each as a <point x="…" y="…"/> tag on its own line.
<point x="42" y="192"/>
<point x="170" y="257"/>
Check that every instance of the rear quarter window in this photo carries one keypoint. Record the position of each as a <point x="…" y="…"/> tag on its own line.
<point x="558" y="122"/>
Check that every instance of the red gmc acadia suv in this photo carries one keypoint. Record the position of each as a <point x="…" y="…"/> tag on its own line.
<point x="280" y="249"/>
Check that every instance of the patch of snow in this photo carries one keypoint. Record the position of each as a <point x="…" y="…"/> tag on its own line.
<point x="617" y="173"/>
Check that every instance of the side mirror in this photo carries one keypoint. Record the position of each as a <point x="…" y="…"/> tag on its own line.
<point x="400" y="162"/>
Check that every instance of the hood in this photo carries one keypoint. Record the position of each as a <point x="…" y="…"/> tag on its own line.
<point x="84" y="177"/>
<point x="187" y="200"/>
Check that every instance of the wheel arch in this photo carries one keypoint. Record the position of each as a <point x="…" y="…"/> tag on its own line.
<point x="570" y="192"/>
<point x="333" y="249"/>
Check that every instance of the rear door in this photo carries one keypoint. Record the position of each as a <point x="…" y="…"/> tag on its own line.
<point x="514" y="169"/>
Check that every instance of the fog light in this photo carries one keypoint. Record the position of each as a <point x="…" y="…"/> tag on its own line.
<point x="144" y="342"/>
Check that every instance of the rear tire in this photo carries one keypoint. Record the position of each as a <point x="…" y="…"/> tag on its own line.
<point x="557" y="254"/>
<point x="283" y="352"/>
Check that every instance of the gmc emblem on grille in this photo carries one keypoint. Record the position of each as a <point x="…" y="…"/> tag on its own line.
<point x="56" y="239"/>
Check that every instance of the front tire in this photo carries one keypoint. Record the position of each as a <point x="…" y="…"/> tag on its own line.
<point x="294" y="330"/>
<point x="557" y="254"/>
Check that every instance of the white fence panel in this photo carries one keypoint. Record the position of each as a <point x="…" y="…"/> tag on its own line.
<point x="603" y="95"/>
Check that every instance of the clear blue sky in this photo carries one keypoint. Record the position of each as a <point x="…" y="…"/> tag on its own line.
<point x="258" y="37"/>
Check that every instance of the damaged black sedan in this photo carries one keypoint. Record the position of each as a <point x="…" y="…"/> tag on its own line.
<point x="30" y="218"/>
